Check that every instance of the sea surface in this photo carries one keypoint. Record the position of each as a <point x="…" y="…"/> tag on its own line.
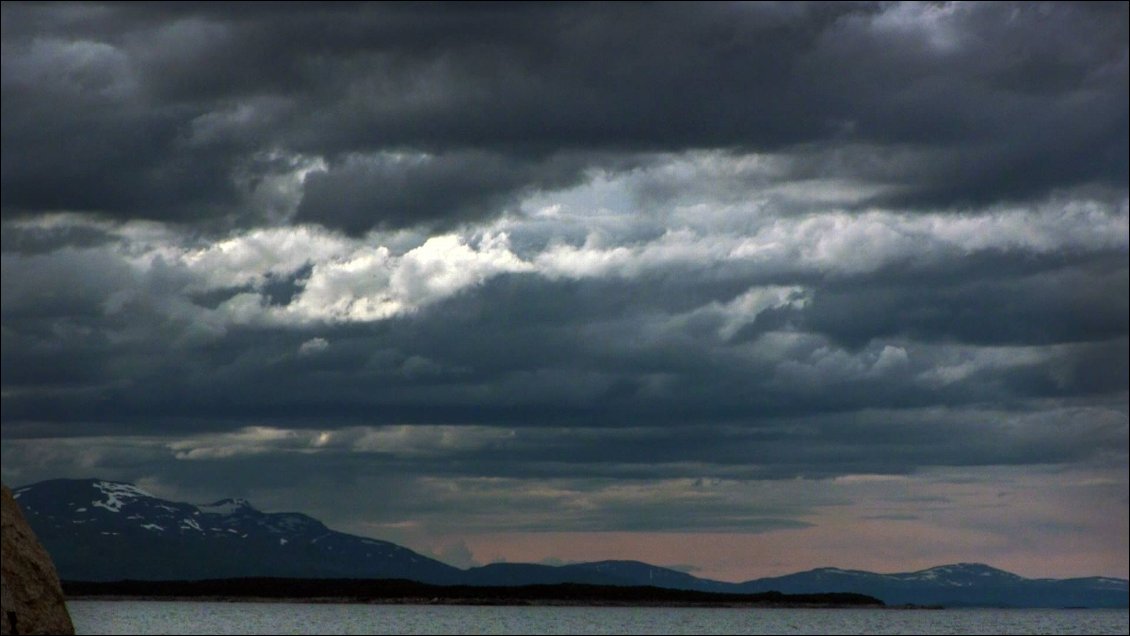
<point x="165" y="617"/>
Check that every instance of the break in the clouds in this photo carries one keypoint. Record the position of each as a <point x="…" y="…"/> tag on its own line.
<point x="815" y="273"/>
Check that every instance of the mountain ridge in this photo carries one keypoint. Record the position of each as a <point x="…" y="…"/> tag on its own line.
<point x="102" y="530"/>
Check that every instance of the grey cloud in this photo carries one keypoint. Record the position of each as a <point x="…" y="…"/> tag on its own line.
<point x="162" y="110"/>
<point x="1086" y="302"/>
<point x="528" y="350"/>
<point x="39" y="239"/>
<point x="403" y="189"/>
<point x="600" y="480"/>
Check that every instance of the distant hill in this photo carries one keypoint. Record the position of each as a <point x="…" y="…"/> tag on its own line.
<point x="98" y="530"/>
<point x="963" y="584"/>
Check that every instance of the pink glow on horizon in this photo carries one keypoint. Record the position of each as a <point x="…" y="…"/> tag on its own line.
<point x="869" y="545"/>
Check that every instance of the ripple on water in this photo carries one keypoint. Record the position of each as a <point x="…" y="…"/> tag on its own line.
<point x="177" y="617"/>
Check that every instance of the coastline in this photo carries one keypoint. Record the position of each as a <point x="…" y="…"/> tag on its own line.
<point x="512" y="602"/>
<point x="400" y="592"/>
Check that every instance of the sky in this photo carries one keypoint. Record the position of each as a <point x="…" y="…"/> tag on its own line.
<point x="740" y="289"/>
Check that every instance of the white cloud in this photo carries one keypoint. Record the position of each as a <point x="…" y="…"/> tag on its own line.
<point x="890" y="359"/>
<point x="746" y="307"/>
<point x="372" y="283"/>
<point x="953" y="363"/>
<point x="349" y="280"/>
<point x="313" y="346"/>
<point x="247" y="259"/>
<point x="446" y="264"/>
<point x="401" y="441"/>
<point x="381" y="275"/>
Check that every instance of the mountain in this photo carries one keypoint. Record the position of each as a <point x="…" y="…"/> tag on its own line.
<point x="99" y="530"/>
<point x="632" y="573"/>
<point x="962" y="584"/>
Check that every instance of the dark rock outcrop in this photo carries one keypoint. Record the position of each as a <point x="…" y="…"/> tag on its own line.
<point x="32" y="600"/>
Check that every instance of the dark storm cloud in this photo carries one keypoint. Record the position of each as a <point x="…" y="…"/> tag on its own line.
<point x="425" y="189"/>
<point x="524" y="352"/>
<point x="987" y="305"/>
<point x="168" y="112"/>
<point x="37" y="240"/>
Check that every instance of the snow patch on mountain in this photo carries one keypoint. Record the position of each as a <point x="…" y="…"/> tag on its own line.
<point x="1107" y="582"/>
<point x="117" y="495"/>
<point x="959" y="574"/>
<point x="225" y="507"/>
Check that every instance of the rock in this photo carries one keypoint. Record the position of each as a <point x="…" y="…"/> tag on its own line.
<point x="32" y="600"/>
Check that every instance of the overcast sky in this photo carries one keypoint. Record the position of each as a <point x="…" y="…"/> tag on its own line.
<point x="741" y="289"/>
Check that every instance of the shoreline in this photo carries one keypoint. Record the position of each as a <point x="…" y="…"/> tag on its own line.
<point x="402" y="592"/>
<point x="330" y="600"/>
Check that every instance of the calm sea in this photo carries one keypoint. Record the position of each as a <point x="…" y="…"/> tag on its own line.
<point x="160" y="617"/>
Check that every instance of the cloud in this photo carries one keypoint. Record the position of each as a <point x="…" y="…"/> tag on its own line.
<point x="313" y="346"/>
<point x="174" y="114"/>
<point x="540" y="320"/>
<point x="396" y="189"/>
<point x="724" y="269"/>
<point x="457" y="554"/>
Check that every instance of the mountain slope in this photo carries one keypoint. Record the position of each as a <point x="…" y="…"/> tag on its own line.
<point x="962" y="584"/>
<point x="100" y="530"/>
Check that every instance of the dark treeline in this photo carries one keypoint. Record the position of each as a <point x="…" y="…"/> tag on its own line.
<point x="397" y="590"/>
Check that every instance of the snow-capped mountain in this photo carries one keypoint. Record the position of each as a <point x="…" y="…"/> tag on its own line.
<point x="99" y="530"/>
<point x="954" y="585"/>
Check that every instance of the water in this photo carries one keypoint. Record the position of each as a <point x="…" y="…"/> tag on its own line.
<point x="164" y="617"/>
